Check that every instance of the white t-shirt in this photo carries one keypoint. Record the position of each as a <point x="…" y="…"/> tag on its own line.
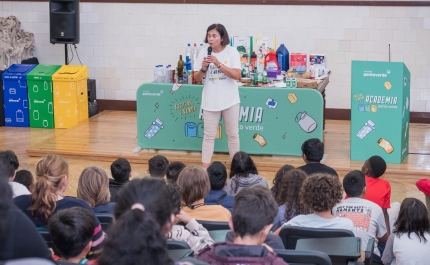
<point x="18" y="189"/>
<point x="407" y="251"/>
<point x="367" y="217"/>
<point x="314" y="221"/>
<point x="220" y="92"/>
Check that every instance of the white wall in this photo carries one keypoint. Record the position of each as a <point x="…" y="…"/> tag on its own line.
<point x="121" y="43"/>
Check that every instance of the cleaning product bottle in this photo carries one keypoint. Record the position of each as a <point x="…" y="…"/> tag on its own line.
<point x="270" y="61"/>
<point x="283" y="57"/>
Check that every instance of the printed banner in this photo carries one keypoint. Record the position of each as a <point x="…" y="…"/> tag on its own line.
<point x="380" y="102"/>
<point x="273" y="121"/>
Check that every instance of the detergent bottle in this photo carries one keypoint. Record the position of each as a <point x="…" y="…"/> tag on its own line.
<point x="283" y="57"/>
<point x="270" y="61"/>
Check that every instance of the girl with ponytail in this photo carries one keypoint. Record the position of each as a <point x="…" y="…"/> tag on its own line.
<point x="143" y="218"/>
<point x="48" y="197"/>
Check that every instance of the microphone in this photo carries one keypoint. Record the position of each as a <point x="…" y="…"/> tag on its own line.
<point x="209" y="50"/>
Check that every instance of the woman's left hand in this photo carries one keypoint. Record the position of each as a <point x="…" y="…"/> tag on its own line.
<point x="212" y="59"/>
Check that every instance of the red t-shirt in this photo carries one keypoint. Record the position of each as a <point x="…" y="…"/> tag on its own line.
<point x="378" y="191"/>
<point x="424" y="186"/>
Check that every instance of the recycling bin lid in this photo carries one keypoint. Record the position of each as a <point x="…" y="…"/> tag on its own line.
<point x="43" y="72"/>
<point x="20" y="69"/>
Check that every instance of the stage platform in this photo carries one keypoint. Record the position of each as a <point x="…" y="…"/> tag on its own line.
<point x="113" y="134"/>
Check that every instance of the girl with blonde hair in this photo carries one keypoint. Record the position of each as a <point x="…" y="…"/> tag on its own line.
<point x="48" y="197"/>
<point x="93" y="188"/>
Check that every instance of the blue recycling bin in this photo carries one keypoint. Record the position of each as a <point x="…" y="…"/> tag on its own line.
<point x="15" y="95"/>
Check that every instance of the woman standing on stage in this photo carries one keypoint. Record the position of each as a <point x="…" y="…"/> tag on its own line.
<point x="220" y="97"/>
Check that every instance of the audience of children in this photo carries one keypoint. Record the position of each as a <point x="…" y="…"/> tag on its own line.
<point x="193" y="233"/>
<point x="121" y="174"/>
<point x="9" y="164"/>
<point x="47" y="198"/>
<point x="410" y="241"/>
<point x="243" y="173"/>
<point x="173" y="169"/>
<point x="218" y="179"/>
<point x="25" y="178"/>
<point x="276" y="181"/>
<point x="288" y="197"/>
<point x="252" y="218"/>
<point x="157" y="166"/>
<point x="195" y="186"/>
<point x="143" y="219"/>
<point x="71" y="232"/>
<point x="313" y="152"/>
<point x="19" y="237"/>
<point x="320" y="193"/>
<point x="367" y="216"/>
<point x="93" y="188"/>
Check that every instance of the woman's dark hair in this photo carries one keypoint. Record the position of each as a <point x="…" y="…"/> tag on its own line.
<point x="321" y="192"/>
<point x="137" y="234"/>
<point x="277" y="180"/>
<point x="222" y="32"/>
<point x="241" y="166"/>
<point x="289" y="193"/>
<point x="5" y="203"/>
<point x="413" y="218"/>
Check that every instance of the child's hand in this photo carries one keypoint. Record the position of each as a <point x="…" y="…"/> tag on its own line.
<point x="184" y="217"/>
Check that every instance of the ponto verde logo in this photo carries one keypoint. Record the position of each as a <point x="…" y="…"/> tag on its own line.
<point x="371" y="74"/>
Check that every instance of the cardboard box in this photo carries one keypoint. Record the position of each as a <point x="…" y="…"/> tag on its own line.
<point x="306" y="83"/>
<point x="298" y="59"/>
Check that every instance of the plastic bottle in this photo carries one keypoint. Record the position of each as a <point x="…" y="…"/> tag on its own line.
<point x="194" y="55"/>
<point x="283" y="56"/>
<point x="188" y="73"/>
<point x="158" y="74"/>
<point x="253" y="61"/>
<point x="264" y="80"/>
<point x="255" y="76"/>
<point x="200" y="49"/>
<point x="188" y="53"/>
<point x="180" y="70"/>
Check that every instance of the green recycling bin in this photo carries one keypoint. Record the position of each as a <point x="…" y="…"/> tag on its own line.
<point x="40" y="98"/>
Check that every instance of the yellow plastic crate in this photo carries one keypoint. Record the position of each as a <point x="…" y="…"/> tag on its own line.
<point x="70" y="95"/>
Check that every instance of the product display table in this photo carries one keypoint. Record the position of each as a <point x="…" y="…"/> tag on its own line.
<point x="272" y="121"/>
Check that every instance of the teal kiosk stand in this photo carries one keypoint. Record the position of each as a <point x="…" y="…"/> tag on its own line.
<point x="380" y="105"/>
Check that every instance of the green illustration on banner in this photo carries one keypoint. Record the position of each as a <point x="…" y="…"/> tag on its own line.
<point x="271" y="120"/>
<point x="380" y="110"/>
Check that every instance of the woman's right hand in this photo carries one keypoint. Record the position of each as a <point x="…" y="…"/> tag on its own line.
<point x="205" y="64"/>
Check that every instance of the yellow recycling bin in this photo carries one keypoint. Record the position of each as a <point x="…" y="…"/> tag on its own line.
<point x="70" y="95"/>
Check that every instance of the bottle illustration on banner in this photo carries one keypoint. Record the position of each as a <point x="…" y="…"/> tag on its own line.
<point x="366" y="129"/>
<point x="175" y="87"/>
<point x="190" y="129"/>
<point x="45" y="85"/>
<point x="306" y="122"/>
<point x="292" y="98"/>
<point x="19" y="116"/>
<point x="387" y="146"/>
<point x="50" y="107"/>
<point x="35" y="89"/>
<point x="155" y="127"/>
<point x="259" y="139"/>
<point x="36" y="115"/>
<point x="25" y="104"/>
<point x="45" y="123"/>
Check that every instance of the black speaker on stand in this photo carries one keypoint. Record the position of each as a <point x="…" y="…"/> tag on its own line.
<point x="64" y="22"/>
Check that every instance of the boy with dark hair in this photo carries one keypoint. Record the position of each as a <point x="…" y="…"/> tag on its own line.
<point x="320" y="193"/>
<point x="252" y="218"/>
<point x="367" y="216"/>
<point x="8" y="166"/>
<point x="313" y="152"/>
<point x="218" y="179"/>
<point x="25" y="178"/>
<point x="121" y="174"/>
<point x="173" y="169"/>
<point x="71" y="231"/>
<point x="157" y="166"/>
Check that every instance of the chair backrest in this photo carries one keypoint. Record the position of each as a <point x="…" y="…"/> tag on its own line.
<point x="174" y="244"/>
<point x="26" y="261"/>
<point x="47" y="237"/>
<point x="368" y="252"/>
<point x="290" y="234"/>
<point x="308" y="257"/>
<point x="212" y="225"/>
<point x="105" y="220"/>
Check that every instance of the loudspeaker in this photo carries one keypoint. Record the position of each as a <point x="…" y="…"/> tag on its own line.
<point x="64" y="21"/>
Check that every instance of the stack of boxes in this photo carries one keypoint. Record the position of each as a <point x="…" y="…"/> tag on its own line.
<point x="45" y="96"/>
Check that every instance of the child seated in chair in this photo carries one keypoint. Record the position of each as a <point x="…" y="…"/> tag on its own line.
<point x="320" y="193"/>
<point x="72" y="231"/>
<point x="253" y="214"/>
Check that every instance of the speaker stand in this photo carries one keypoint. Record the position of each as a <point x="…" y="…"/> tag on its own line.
<point x="66" y="54"/>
